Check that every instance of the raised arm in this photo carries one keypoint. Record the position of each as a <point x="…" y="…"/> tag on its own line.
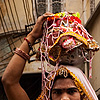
<point x="13" y="72"/>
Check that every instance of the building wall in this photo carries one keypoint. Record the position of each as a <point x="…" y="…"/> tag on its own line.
<point x="93" y="26"/>
<point x="12" y="7"/>
<point x="95" y="31"/>
<point x="74" y="6"/>
<point x="96" y="2"/>
<point x="81" y="6"/>
<point x="7" y="42"/>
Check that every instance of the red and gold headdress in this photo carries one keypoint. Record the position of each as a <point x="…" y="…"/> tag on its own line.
<point x="64" y="34"/>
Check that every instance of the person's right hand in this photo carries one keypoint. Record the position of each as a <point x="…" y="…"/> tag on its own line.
<point x="37" y="30"/>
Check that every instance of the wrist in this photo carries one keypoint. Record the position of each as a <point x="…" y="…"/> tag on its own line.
<point x="31" y="38"/>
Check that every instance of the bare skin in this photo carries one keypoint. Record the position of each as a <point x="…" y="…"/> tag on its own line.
<point x="13" y="72"/>
<point x="65" y="89"/>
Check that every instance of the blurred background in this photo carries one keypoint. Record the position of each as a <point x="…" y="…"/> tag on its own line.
<point x="17" y="18"/>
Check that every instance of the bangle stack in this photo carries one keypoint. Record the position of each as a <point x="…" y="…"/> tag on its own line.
<point x="29" y="44"/>
<point x="22" y="54"/>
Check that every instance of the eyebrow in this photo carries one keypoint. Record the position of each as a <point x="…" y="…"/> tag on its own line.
<point x="72" y="88"/>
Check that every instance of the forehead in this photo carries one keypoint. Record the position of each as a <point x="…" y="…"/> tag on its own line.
<point x="63" y="83"/>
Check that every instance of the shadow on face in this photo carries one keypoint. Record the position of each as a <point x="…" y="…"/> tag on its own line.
<point x="65" y="89"/>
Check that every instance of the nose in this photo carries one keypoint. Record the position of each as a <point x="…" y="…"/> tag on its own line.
<point x="65" y="96"/>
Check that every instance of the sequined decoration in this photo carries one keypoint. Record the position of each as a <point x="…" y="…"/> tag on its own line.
<point x="63" y="72"/>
